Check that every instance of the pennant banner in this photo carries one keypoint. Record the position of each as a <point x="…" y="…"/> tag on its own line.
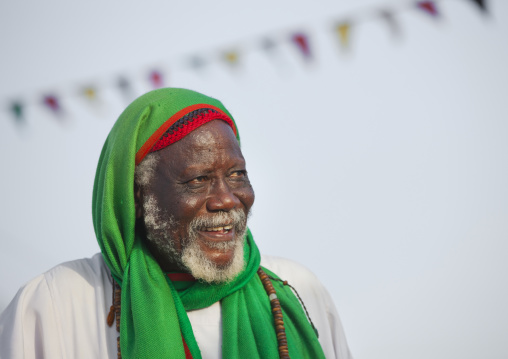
<point x="270" y="44"/>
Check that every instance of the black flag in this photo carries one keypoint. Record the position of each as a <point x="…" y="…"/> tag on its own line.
<point x="481" y="4"/>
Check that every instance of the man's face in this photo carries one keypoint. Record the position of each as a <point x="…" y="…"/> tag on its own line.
<point x="199" y="196"/>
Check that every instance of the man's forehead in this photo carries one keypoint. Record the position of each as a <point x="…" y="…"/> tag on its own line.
<point x="216" y="133"/>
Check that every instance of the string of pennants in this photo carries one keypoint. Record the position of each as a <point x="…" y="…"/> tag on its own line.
<point x="299" y="40"/>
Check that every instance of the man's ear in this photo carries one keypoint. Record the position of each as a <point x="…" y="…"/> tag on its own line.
<point x="138" y="201"/>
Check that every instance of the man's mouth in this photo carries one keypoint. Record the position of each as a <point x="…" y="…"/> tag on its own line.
<point x="221" y="229"/>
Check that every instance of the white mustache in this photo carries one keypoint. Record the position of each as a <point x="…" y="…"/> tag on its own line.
<point x="235" y="217"/>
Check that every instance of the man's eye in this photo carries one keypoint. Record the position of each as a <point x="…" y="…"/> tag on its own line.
<point x="239" y="174"/>
<point x="197" y="180"/>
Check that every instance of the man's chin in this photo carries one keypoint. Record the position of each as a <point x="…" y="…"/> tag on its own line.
<point x="214" y="265"/>
<point x="220" y="257"/>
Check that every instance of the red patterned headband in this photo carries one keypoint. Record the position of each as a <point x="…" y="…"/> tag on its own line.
<point x="187" y="124"/>
<point x="181" y="128"/>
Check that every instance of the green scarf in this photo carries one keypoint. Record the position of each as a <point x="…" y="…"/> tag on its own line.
<point x="153" y="314"/>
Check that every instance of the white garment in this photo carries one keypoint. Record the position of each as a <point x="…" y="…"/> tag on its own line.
<point x="62" y="314"/>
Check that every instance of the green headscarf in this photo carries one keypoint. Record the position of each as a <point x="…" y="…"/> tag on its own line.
<point x="153" y="312"/>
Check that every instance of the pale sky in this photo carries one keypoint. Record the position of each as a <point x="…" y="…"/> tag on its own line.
<point x="382" y="169"/>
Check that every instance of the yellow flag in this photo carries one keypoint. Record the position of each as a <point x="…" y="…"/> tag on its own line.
<point x="90" y="93"/>
<point x="231" y="57"/>
<point x="342" y="30"/>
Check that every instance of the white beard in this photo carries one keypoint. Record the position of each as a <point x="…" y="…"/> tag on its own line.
<point x="201" y="267"/>
<point x="160" y="231"/>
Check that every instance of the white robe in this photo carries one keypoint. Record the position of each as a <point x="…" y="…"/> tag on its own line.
<point x="62" y="314"/>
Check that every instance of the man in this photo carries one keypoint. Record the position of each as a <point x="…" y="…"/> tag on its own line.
<point x="179" y="272"/>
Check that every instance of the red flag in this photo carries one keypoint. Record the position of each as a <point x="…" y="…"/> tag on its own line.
<point x="52" y="103"/>
<point x="302" y="42"/>
<point x="156" y="79"/>
<point x="428" y="6"/>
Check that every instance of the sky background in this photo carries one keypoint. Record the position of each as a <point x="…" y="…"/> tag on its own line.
<point x="383" y="168"/>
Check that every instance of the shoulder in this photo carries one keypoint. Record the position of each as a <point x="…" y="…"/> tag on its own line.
<point x="74" y="274"/>
<point x="294" y="272"/>
<point x="78" y="287"/>
<point x="64" y="289"/>
<point x="306" y="284"/>
<point x="68" y="282"/>
<point x="67" y="276"/>
<point x="68" y="301"/>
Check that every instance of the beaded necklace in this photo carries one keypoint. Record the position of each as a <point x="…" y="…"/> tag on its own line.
<point x="280" y="330"/>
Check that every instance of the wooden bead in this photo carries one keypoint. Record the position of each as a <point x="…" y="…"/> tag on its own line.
<point x="117" y="299"/>
<point x="278" y="319"/>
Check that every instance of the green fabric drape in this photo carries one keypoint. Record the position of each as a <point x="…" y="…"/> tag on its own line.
<point x="153" y="316"/>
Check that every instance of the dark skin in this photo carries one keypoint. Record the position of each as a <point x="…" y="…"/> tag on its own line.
<point x="199" y="175"/>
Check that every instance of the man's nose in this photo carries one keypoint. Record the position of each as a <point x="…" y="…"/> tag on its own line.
<point x="222" y="198"/>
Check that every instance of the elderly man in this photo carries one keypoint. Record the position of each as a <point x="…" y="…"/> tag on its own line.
<point x="179" y="275"/>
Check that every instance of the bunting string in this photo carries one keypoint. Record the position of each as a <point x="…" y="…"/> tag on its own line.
<point x="269" y="44"/>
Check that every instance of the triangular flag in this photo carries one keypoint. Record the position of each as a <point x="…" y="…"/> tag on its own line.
<point x="124" y="84"/>
<point x="92" y="97"/>
<point x="156" y="79"/>
<point x="197" y="62"/>
<point x="52" y="103"/>
<point x="270" y="48"/>
<point x="343" y="30"/>
<point x="429" y="7"/>
<point x="481" y="4"/>
<point x="392" y="23"/>
<point x="90" y="93"/>
<point x="126" y="88"/>
<point x="231" y="57"/>
<point x="302" y="42"/>
<point x="268" y="45"/>
<point x="17" y="111"/>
